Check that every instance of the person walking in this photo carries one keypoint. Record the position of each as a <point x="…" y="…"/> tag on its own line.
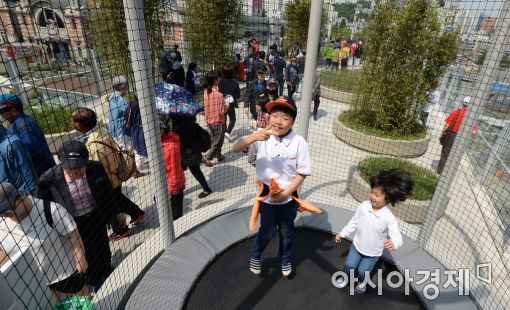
<point x="279" y="72"/>
<point x="82" y="187"/>
<point x="191" y="78"/>
<point x="15" y="164"/>
<point x="228" y="86"/>
<point x="117" y="106"/>
<point x="328" y="54"/>
<point x="449" y="132"/>
<point x="28" y="131"/>
<point x="191" y="138"/>
<point x="102" y="148"/>
<point x="254" y="92"/>
<point x="292" y="77"/>
<point x="215" y="109"/>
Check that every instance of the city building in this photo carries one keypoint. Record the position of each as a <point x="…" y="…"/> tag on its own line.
<point x="45" y="30"/>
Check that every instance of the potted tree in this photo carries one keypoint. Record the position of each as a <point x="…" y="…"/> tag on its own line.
<point x="407" y="50"/>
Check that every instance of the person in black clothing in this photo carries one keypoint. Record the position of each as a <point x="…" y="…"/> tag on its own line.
<point x="254" y="92"/>
<point x="177" y="75"/>
<point x="230" y="87"/>
<point x="191" y="77"/>
<point x="178" y="55"/>
<point x="279" y="72"/>
<point x="191" y="157"/>
<point x="82" y="187"/>
<point x="257" y="64"/>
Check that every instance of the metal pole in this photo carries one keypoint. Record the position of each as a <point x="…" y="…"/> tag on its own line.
<point x="142" y="70"/>
<point x="482" y="86"/>
<point x="16" y="81"/>
<point x="97" y="74"/>
<point x="312" y="52"/>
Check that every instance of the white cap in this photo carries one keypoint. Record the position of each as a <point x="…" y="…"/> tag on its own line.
<point x="466" y="100"/>
<point x="119" y="80"/>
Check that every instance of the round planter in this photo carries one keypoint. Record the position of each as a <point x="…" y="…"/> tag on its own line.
<point x="55" y="140"/>
<point x="329" y="93"/>
<point x="410" y="211"/>
<point x="377" y="145"/>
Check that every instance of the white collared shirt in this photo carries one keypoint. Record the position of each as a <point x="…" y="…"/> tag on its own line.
<point x="371" y="228"/>
<point x="281" y="159"/>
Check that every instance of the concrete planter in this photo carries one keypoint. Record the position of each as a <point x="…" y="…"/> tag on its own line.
<point x="55" y="140"/>
<point x="329" y="93"/>
<point x="410" y="211"/>
<point x="377" y="145"/>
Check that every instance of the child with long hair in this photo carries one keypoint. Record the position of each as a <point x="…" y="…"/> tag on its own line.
<point x="374" y="226"/>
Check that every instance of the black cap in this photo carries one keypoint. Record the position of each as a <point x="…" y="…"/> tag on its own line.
<point x="73" y="154"/>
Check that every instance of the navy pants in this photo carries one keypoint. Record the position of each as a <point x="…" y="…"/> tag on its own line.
<point x="271" y="217"/>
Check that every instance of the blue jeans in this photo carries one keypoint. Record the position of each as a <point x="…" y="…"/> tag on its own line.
<point x="272" y="216"/>
<point x="280" y="82"/>
<point x="356" y="260"/>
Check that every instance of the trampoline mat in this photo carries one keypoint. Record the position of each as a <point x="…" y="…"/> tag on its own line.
<point x="228" y="283"/>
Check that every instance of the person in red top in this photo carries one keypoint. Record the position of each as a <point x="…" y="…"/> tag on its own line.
<point x="450" y="128"/>
<point x="175" y="179"/>
<point x="215" y="109"/>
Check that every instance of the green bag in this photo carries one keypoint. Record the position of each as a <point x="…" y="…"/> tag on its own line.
<point x="75" y="302"/>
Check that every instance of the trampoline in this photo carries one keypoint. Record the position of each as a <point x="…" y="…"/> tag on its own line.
<point x="207" y="268"/>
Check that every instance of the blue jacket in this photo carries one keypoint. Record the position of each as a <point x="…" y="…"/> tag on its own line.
<point x="15" y="164"/>
<point x="29" y="132"/>
<point x="116" y="114"/>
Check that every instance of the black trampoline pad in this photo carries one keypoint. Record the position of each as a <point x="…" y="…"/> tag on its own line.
<point x="228" y="283"/>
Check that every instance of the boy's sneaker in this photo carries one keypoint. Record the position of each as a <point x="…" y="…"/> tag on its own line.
<point x="360" y="288"/>
<point x="286" y="270"/>
<point x="341" y="282"/>
<point x="255" y="265"/>
<point x="138" y="219"/>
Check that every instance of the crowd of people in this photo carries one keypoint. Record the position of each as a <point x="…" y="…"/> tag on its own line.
<point x="340" y="51"/>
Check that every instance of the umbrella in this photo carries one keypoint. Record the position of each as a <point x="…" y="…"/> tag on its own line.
<point x="175" y="100"/>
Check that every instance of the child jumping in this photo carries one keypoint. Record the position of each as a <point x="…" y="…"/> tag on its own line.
<point x="374" y="226"/>
<point x="282" y="164"/>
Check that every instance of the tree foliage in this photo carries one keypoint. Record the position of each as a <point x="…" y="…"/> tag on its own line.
<point x="297" y="18"/>
<point x="406" y="52"/>
<point x="110" y="32"/>
<point x="211" y="28"/>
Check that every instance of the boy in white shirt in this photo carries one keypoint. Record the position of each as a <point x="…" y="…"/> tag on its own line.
<point x="282" y="157"/>
<point x="374" y="226"/>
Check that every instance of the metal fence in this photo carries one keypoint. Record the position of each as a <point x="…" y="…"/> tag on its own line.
<point x="60" y="55"/>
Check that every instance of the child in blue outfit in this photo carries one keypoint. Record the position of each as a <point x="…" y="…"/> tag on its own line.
<point x="374" y="226"/>
<point x="282" y="158"/>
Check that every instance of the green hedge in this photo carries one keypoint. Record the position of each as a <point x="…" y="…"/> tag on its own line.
<point x="52" y="118"/>
<point x="342" y="80"/>
<point x="425" y="180"/>
<point x="347" y="118"/>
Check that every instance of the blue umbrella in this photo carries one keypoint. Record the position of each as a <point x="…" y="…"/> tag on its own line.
<point x="175" y="100"/>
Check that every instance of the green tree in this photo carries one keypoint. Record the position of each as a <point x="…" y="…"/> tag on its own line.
<point x="340" y="30"/>
<point x="111" y="38"/>
<point x="406" y="52"/>
<point x="211" y="28"/>
<point x="297" y="17"/>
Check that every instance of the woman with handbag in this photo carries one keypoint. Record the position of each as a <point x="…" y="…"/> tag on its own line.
<point x="449" y="132"/>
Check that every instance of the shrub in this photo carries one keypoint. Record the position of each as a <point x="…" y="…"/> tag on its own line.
<point x="406" y="52"/>
<point x="52" y="118"/>
<point x="341" y="80"/>
<point x="425" y="180"/>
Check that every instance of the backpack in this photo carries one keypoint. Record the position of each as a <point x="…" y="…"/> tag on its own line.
<point x="203" y="138"/>
<point x="126" y="166"/>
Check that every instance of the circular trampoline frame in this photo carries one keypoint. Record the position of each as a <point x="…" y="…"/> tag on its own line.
<point x="171" y="278"/>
